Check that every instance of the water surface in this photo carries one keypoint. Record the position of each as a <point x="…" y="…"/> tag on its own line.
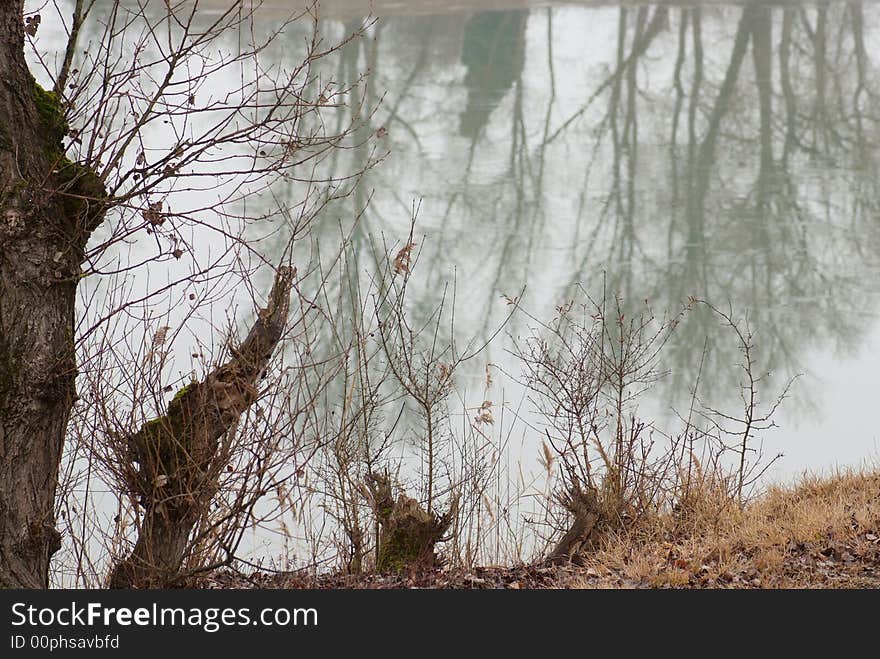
<point x="725" y="152"/>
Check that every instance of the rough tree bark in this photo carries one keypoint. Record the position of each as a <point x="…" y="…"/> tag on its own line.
<point x="409" y="533"/>
<point x="583" y="504"/>
<point x="180" y="457"/>
<point x="48" y="208"/>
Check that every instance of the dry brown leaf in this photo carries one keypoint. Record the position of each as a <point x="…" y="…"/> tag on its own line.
<point x="403" y="260"/>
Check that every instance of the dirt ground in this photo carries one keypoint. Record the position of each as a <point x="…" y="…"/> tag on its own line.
<point x="806" y="566"/>
<point x="820" y="533"/>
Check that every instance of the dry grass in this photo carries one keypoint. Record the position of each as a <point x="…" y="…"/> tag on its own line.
<point x="822" y="532"/>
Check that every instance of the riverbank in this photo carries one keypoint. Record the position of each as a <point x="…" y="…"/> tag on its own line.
<point x="823" y="532"/>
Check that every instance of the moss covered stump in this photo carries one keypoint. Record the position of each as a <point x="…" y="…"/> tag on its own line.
<point x="409" y="533"/>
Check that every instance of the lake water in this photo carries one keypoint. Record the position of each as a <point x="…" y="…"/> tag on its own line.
<point x="722" y="151"/>
<point x="728" y="152"/>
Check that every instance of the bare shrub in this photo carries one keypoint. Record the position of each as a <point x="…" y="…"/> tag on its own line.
<point x="587" y="370"/>
<point x="168" y="484"/>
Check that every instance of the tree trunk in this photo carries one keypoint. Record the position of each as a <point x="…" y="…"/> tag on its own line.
<point x="179" y="456"/>
<point x="582" y="503"/>
<point x="45" y="221"/>
<point x="409" y="533"/>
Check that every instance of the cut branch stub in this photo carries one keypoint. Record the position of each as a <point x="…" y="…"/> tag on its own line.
<point x="584" y="506"/>
<point x="409" y="533"/>
<point x="177" y="454"/>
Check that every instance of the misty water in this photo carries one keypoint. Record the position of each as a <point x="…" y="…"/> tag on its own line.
<point x="726" y="152"/>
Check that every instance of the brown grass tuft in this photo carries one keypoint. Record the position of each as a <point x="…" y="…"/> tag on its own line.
<point x="821" y="532"/>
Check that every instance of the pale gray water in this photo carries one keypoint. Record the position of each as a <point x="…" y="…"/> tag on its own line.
<point x="721" y="151"/>
<point x="726" y="152"/>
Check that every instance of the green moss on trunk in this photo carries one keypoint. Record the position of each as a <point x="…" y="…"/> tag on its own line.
<point x="409" y="533"/>
<point x="183" y="391"/>
<point x="81" y="186"/>
<point x="51" y="116"/>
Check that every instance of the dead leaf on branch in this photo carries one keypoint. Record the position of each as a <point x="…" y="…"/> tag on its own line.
<point x="153" y="213"/>
<point x="403" y="260"/>
<point x="32" y="24"/>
